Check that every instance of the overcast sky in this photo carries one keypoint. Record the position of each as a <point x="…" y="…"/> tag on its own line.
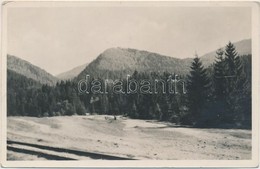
<point x="58" y="39"/>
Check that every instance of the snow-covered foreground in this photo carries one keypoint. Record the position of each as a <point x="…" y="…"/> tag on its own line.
<point x="121" y="138"/>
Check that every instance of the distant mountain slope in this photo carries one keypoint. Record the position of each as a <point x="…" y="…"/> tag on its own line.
<point x="243" y="47"/>
<point x="17" y="87"/>
<point x="118" y="62"/>
<point x="16" y="80"/>
<point x="29" y="70"/>
<point x="71" y="73"/>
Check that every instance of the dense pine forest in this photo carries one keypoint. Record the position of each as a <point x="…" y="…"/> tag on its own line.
<point x="214" y="96"/>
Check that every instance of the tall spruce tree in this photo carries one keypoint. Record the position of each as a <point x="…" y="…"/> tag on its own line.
<point x="197" y="86"/>
<point x="220" y="106"/>
<point x="234" y="68"/>
<point x="235" y="84"/>
<point x="219" y="74"/>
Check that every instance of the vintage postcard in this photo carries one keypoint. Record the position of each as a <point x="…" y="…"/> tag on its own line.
<point x="129" y="83"/>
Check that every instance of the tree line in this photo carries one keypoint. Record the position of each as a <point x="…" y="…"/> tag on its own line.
<point x="217" y="96"/>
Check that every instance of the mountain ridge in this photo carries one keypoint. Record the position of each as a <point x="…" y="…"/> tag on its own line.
<point x="29" y="70"/>
<point x="70" y="74"/>
<point x="117" y="62"/>
<point x="122" y="61"/>
<point x="243" y="47"/>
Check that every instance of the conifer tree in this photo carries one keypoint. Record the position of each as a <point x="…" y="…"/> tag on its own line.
<point x="220" y="107"/>
<point x="234" y="68"/>
<point x="235" y="83"/>
<point x="219" y="74"/>
<point x="197" y="86"/>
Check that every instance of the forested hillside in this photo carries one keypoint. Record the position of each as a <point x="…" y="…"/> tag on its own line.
<point x="116" y="63"/>
<point x="68" y="75"/>
<point x="29" y="70"/>
<point x="243" y="47"/>
<point x="215" y="96"/>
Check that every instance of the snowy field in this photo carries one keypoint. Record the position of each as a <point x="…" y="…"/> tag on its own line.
<point x="101" y="137"/>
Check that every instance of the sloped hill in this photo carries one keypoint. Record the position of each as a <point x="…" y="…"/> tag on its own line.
<point x="71" y="73"/>
<point x="118" y="62"/>
<point x="243" y="47"/>
<point x="29" y="70"/>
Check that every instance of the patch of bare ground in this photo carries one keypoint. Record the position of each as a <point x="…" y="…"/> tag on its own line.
<point x="127" y="138"/>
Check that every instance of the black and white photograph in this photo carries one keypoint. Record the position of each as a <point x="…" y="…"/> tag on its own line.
<point x="129" y="82"/>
